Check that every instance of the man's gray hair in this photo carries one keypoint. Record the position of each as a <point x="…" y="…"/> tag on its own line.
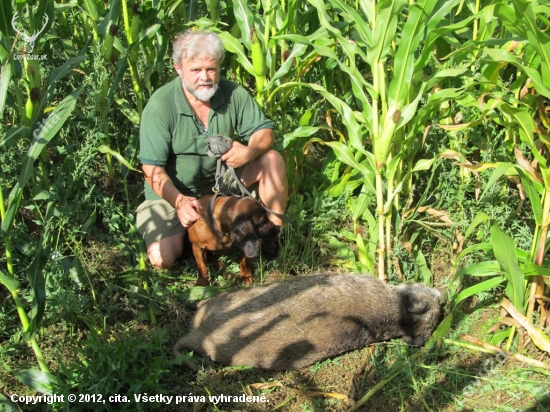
<point x="194" y="43"/>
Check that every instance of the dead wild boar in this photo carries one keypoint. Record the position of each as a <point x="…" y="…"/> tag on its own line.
<point x="294" y="323"/>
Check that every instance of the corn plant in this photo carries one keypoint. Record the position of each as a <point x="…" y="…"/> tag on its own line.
<point x="519" y="108"/>
<point x="40" y="130"/>
<point x="383" y="119"/>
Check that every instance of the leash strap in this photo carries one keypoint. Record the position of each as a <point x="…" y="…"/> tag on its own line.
<point x="216" y="146"/>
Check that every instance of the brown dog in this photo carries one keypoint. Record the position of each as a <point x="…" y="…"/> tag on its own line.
<point x="231" y="221"/>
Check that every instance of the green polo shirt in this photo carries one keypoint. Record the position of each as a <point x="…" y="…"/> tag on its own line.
<point x="172" y="136"/>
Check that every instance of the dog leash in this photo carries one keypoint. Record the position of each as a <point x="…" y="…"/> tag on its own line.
<point x="216" y="146"/>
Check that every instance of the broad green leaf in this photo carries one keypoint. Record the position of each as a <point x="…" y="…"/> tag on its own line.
<point x="232" y="45"/>
<point x="128" y="110"/>
<point x="344" y="154"/>
<point x="40" y="381"/>
<point x="385" y="28"/>
<point x="499" y="337"/>
<point x="440" y="75"/>
<point x="358" y="83"/>
<point x="121" y="67"/>
<point x="245" y="20"/>
<point x="10" y="283"/>
<point x="5" y="78"/>
<point x="477" y="247"/>
<point x="110" y="18"/>
<point x="487" y="268"/>
<point x="362" y="252"/>
<point x="434" y="31"/>
<point x="410" y="110"/>
<point x="90" y="7"/>
<point x="55" y="75"/>
<point x="359" y="23"/>
<point x="37" y="280"/>
<point x="361" y="204"/>
<point x="484" y="286"/>
<point x="403" y="65"/>
<point x="424" y="273"/>
<point x="532" y="269"/>
<point x="423" y="164"/>
<point x="38" y="284"/>
<point x="506" y="56"/>
<point x="534" y="198"/>
<point x="297" y="51"/>
<point x="526" y="125"/>
<point x="444" y="327"/>
<point x="505" y="253"/>
<point x="6" y="14"/>
<point x="537" y="38"/>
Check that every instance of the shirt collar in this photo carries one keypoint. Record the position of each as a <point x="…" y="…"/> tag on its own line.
<point x="182" y="104"/>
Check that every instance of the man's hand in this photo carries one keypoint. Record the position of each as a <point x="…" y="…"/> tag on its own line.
<point x="188" y="210"/>
<point x="238" y="155"/>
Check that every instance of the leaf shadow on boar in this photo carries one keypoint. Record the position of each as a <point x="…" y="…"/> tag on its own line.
<point x="294" y="323"/>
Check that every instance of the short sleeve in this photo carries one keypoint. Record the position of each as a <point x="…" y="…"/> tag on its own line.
<point x="250" y="117"/>
<point x="154" y="137"/>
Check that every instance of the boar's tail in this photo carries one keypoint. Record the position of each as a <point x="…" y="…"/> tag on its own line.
<point x="188" y="363"/>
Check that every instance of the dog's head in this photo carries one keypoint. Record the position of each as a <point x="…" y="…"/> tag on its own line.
<point x="249" y="225"/>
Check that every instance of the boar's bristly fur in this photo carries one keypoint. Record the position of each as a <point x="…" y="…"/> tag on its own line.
<point x="294" y="323"/>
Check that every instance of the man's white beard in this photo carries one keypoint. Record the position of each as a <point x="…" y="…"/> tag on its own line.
<point x="202" y="95"/>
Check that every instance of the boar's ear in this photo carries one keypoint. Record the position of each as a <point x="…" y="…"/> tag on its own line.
<point x="417" y="304"/>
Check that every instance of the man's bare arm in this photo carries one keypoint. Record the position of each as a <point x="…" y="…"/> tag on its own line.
<point x="239" y="154"/>
<point x="187" y="207"/>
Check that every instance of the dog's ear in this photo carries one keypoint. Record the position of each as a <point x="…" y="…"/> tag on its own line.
<point x="266" y="228"/>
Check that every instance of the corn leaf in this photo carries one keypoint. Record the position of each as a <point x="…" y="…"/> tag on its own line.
<point x="507" y="57"/>
<point x="478" y="288"/>
<point x="5" y="78"/>
<point x="105" y="149"/>
<point x="38" y="380"/>
<point x="505" y="253"/>
<point x="245" y="20"/>
<point x="385" y="28"/>
<point x="10" y="283"/>
<point x="302" y="131"/>
<point x="534" y="198"/>
<point x="487" y="268"/>
<point x="233" y="45"/>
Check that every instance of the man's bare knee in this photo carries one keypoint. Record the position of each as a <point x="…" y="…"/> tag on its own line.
<point x="161" y="261"/>
<point x="164" y="253"/>
<point x="274" y="159"/>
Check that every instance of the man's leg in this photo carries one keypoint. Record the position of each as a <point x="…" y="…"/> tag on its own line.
<point x="165" y="252"/>
<point x="270" y="171"/>
<point x="158" y="223"/>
